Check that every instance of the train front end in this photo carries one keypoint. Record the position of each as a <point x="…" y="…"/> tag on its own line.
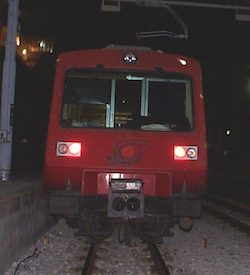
<point x="126" y="139"/>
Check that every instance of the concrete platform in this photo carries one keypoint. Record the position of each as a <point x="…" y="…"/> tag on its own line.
<point x="23" y="218"/>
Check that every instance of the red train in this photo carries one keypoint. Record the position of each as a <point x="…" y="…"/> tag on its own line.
<point x="126" y="140"/>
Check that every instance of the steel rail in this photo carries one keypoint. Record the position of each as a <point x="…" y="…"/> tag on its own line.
<point x="156" y="256"/>
<point x="216" y="209"/>
<point x="239" y="207"/>
<point x="90" y="260"/>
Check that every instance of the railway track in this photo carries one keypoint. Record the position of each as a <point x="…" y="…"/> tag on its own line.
<point x="158" y="263"/>
<point x="90" y="260"/>
<point x="237" y="214"/>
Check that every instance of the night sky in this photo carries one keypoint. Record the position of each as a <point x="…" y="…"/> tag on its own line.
<point x="216" y="39"/>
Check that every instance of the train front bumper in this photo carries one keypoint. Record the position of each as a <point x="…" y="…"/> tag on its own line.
<point x="125" y="205"/>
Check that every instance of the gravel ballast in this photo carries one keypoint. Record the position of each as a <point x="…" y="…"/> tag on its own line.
<point x="212" y="247"/>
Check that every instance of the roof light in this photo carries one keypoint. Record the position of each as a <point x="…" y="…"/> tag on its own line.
<point x="183" y="61"/>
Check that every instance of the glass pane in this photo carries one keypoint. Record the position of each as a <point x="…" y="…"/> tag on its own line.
<point x="85" y="102"/>
<point x="127" y="104"/>
<point x="168" y="106"/>
<point x="118" y="100"/>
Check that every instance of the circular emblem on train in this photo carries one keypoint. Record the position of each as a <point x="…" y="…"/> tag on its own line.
<point x="127" y="151"/>
<point x="130" y="58"/>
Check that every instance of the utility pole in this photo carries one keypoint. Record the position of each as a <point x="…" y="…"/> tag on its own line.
<point x="8" y="92"/>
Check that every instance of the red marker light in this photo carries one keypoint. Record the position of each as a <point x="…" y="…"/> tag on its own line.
<point x="179" y="152"/>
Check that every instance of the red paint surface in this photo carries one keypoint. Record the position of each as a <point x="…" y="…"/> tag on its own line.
<point x="153" y="151"/>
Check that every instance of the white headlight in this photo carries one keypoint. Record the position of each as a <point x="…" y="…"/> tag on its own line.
<point x="185" y="152"/>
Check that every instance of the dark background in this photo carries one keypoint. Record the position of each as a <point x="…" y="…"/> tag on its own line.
<point x="216" y="39"/>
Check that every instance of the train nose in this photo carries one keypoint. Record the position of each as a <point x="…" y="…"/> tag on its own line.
<point x="133" y="204"/>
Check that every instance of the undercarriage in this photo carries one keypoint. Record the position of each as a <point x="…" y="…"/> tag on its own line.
<point x="149" y="218"/>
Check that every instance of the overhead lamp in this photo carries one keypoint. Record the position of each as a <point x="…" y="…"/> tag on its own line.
<point x="111" y="6"/>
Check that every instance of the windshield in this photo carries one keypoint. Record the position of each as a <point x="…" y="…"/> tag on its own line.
<point x="121" y="100"/>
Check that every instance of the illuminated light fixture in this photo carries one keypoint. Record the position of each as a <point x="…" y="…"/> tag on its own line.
<point x="68" y="149"/>
<point x="42" y="44"/>
<point x="18" y="40"/>
<point x="183" y="61"/>
<point x="185" y="152"/>
<point x="228" y="132"/>
<point x="75" y="148"/>
<point x="111" y="6"/>
<point x="24" y="51"/>
<point x="130" y="58"/>
<point x="179" y="152"/>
